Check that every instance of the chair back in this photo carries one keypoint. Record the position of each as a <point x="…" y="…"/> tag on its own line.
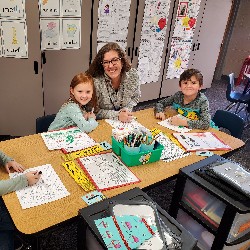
<point x="229" y="121"/>
<point x="43" y="123"/>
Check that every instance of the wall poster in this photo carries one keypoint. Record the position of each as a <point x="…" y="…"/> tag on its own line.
<point x="60" y="24"/>
<point x="13" y="38"/>
<point x="113" y="20"/>
<point x="153" y="34"/>
<point x="181" y="44"/>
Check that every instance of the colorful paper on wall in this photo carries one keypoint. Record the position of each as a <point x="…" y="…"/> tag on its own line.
<point x="13" y="39"/>
<point x="60" y="24"/>
<point x="49" y="188"/>
<point x="181" y="44"/>
<point x="152" y="42"/>
<point x="113" y="20"/>
<point x="78" y="175"/>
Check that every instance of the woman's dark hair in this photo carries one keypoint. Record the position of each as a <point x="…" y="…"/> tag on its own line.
<point x="187" y="74"/>
<point x="96" y="68"/>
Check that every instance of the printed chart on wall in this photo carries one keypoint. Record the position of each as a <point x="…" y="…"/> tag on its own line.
<point x="181" y="44"/>
<point x="153" y="34"/>
<point x="13" y="38"/>
<point x="60" y="24"/>
<point x="113" y="20"/>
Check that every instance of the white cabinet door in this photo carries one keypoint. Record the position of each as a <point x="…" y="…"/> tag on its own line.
<point x="21" y="96"/>
<point x="209" y="38"/>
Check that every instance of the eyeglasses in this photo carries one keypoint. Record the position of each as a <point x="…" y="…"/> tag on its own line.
<point x="114" y="61"/>
<point x="189" y="81"/>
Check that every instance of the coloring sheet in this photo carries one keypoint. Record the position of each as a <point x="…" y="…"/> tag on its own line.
<point x="181" y="44"/>
<point x="60" y="24"/>
<point x="49" y="188"/>
<point x="153" y="35"/>
<point x="71" y="139"/>
<point x="124" y="125"/>
<point x="107" y="171"/>
<point x="171" y="151"/>
<point x="113" y="20"/>
<point x="167" y="124"/>
<point x="13" y="38"/>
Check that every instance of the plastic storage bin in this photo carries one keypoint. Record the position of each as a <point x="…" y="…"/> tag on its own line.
<point x="136" y="159"/>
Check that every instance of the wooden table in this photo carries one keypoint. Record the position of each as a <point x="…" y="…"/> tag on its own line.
<point x="31" y="151"/>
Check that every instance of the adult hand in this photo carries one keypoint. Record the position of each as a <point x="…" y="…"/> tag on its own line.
<point x="125" y="116"/>
<point x="160" y="116"/>
<point x="15" y="166"/>
<point x="33" y="177"/>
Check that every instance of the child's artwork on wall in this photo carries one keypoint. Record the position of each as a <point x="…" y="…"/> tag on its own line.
<point x="71" y="139"/>
<point x="60" y="24"/>
<point x="181" y="44"/>
<point x="107" y="171"/>
<point x="13" y="37"/>
<point x="113" y="21"/>
<point x="49" y="188"/>
<point x="152" y="42"/>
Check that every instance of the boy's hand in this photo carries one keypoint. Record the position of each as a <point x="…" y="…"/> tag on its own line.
<point x="177" y="121"/>
<point x="15" y="166"/>
<point x="160" y="116"/>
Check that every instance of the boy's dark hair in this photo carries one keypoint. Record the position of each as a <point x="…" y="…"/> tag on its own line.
<point x="188" y="73"/>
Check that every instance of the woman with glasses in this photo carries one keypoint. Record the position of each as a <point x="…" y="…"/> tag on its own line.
<point x="117" y="84"/>
<point x="189" y="102"/>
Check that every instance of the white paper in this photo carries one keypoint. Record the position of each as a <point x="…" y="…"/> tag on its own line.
<point x="12" y="9"/>
<point x="71" y="139"/>
<point x="166" y="123"/>
<point x="107" y="171"/>
<point x="171" y="151"/>
<point x="124" y="125"/>
<point x="49" y="188"/>
<point x="154" y="26"/>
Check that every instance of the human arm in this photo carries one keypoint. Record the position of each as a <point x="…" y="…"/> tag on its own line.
<point x="161" y="106"/>
<point x="75" y="114"/>
<point x="19" y="182"/>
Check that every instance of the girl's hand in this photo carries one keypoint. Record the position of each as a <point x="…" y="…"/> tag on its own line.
<point x="33" y="177"/>
<point x="160" y="116"/>
<point x="89" y="115"/>
<point x="15" y="166"/>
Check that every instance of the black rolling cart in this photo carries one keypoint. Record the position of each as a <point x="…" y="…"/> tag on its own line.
<point x="213" y="211"/>
<point x="101" y="210"/>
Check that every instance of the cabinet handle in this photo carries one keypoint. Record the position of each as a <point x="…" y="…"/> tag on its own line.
<point x="128" y="51"/>
<point x="43" y="58"/>
<point x="193" y="47"/>
<point x="136" y="51"/>
<point x="36" y="67"/>
<point x="198" y="46"/>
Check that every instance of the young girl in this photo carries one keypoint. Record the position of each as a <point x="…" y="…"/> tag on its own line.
<point x="189" y="102"/>
<point x="78" y="110"/>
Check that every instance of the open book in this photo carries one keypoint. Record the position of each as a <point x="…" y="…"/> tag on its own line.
<point x="201" y="141"/>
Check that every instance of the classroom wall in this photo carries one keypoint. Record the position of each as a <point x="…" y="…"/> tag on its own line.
<point x="238" y="46"/>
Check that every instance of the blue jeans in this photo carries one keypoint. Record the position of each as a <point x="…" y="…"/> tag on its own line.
<point x="6" y="228"/>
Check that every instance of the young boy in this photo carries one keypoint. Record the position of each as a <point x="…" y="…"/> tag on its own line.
<point x="7" y="186"/>
<point x="188" y="102"/>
